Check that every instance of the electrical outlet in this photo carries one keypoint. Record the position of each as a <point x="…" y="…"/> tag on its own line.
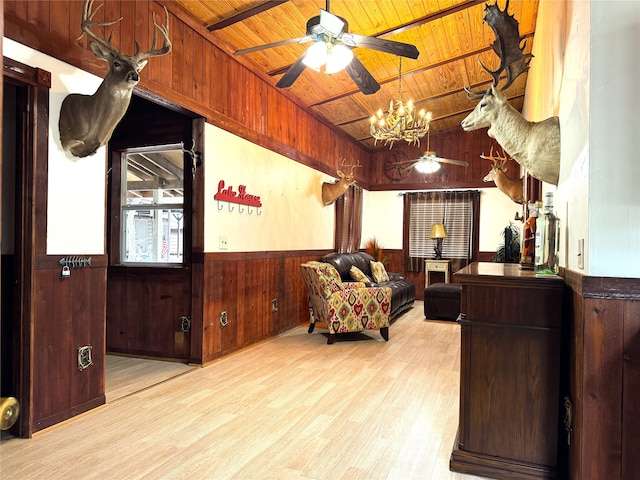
<point x="223" y="319"/>
<point x="224" y="242"/>
<point x="274" y="305"/>
<point x="581" y="253"/>
<point x="185" y="323"/>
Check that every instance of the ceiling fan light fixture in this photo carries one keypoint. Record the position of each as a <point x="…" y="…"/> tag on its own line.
<point x="427" y="166"/>
<point x="331" y="23"/>
<point x="316" y="56"/>
<point x="338" y="58"/>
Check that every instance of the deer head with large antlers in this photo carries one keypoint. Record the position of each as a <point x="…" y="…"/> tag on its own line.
<point x="534" y="145"/>
<point x="332" y="191"/>
<point x="512" y="187"/>
<point x="87" y="121"/>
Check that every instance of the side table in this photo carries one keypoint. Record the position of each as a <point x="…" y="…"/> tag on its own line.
<point x="436" y="266"/>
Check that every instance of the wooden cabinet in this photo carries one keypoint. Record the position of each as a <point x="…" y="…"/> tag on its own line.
<point x="509" y="372"/>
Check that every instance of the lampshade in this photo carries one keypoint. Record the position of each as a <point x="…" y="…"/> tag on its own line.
<point x="427" y="166"/>
<point x="333" y="57"/>
<point x="316" y="56"/>
<point x="438" y="230"/>
<point x="339" y="57"/>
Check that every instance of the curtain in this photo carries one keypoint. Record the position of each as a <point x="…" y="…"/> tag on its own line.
<point x="348" y="229"/>
<point x="458" y="210"/>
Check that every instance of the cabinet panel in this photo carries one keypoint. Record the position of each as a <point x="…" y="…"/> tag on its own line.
<point x="514" y="407"/>
<point x="513" y="305"/>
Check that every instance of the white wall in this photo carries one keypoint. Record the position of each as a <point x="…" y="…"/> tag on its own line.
<point x="614" y="179"/>
<point x="383" y="213"/>
<point x="76" y="199"/>
<point x="292" y="218"/>
<point x="585" y="70"/>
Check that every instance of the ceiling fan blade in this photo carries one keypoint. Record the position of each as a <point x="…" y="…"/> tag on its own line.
<point x="362" y="78"/>
<point x="330" y="23"/>
<point x="462" y="163"/>
<point x="415" y="160"/>
<point x="292" y="74"/>
<point x="382" y="45"/>
<point x="244" y="51"/>
<point x="410" y="167"/>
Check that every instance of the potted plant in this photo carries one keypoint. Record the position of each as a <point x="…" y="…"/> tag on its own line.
<point x="373" y="248"/>
<point x="509" y="250"/>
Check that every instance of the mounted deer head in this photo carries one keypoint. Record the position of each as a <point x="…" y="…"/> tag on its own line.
<point x="332" y="191"/>
<point x="87" y="121"/>
<point x="534" y="145"/>
<point x="513" y="188"/>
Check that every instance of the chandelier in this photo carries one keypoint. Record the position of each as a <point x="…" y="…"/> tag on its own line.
<point x="402" y="122"/>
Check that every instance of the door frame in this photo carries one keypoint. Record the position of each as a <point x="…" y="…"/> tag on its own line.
<point x="34" y="158"/>
<point x="193" y="233"/>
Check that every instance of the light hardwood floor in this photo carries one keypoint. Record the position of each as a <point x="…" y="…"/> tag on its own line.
<point x="291" y="407"/>
<point x="126" y="375"/>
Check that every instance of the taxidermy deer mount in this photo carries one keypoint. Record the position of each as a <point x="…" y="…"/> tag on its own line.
<point x="534" y="145"/>
<point x="87" y="121"/>
<point x="512" y="187"/>
<point x="332" y="191"/>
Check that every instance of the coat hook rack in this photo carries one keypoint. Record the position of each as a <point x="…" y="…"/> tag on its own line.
<point x="241" y="209"/>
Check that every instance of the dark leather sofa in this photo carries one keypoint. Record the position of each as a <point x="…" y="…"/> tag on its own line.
<point x="403" y="291"/>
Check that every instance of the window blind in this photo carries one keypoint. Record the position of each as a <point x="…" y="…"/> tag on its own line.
<point x="455" y="210"/>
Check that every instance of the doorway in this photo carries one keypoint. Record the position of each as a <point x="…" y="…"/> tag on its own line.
<point x="149" y="233"/>
<point x="14" y="103"/>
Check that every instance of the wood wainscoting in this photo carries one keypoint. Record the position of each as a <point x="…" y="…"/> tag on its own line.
<point x="244" y="285"/>
<point x="602" y="376"/>
<point x="68" y="313"/>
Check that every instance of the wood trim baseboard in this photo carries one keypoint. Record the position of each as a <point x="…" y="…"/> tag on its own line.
<point x="614" y="288"/>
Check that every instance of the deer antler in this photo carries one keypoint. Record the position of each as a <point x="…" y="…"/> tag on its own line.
<point x="343" y="164"/>
<point x="87" y="23"/>
<point x="498" y="161"/>
<point x="166" y="43"/>
<point x="506" y="46"/>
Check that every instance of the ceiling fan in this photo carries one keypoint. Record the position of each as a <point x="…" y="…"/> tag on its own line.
<point x="332" y="49"/>
<point x="428" y="162"/>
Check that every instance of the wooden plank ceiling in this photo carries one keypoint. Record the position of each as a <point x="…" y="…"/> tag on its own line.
<point x="449" y="34"/>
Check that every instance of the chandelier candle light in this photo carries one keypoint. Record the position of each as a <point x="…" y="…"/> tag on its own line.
<point x="402" y="122"/>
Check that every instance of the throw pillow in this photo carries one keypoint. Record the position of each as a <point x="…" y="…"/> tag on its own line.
<point x="330" y="271"/>
<point x="358" y="275"/>
<point x="378" y="272"/>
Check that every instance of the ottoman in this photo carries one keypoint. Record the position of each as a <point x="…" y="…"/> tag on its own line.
<point x="442" y="301"/>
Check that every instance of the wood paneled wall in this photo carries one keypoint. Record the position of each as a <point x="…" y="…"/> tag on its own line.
<point x="68" y="313"/>
<point x="457" y="145"/>
<point x="197" y="75"/>
<point x="602" y="376"/>
<point x="244" y="285"/>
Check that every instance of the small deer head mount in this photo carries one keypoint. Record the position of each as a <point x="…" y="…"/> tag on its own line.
<point x="87" y="121"/>
<point x="332" y="191"/>
<point x="512" y="187"/>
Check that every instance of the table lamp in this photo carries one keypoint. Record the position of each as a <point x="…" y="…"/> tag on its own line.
<point x="438" y="232"/>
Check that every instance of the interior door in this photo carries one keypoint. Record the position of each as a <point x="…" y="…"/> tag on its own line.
<point x="149" y="234"/>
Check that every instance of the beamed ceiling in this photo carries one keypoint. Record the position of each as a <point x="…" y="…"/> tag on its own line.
<point x="449" y="34"/>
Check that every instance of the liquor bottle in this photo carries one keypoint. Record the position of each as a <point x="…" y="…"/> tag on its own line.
<point x="547" y="239"/>
<point x="528" y="237"/>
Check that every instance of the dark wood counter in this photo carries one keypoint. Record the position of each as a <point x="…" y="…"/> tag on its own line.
<point x="509" y="372"/>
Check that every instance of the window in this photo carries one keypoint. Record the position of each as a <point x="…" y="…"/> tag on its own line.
<point x="457" y="210"/>
<point x="152" y="214"/>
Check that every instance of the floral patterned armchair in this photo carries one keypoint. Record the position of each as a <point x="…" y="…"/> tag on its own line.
<point x="344" y="307"/>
